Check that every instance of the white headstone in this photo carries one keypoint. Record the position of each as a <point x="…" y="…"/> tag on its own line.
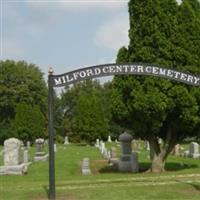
<point x="66" y="140"/>
<point x="109" y="139"/>
<point x="12" y="152"/>
<point x="28" y="144"/>
<point x="55" y="148"/>
<point x="102" y="147"/>
<point x="147" y="146"/>
<point x="97" y="143"/>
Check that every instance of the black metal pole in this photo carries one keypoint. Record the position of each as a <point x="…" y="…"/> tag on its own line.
<point x="51" y="138"/>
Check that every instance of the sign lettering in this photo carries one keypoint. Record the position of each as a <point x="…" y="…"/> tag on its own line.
<point x="118" y="69"/>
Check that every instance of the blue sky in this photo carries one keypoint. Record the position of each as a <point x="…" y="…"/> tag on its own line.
<point x="65" y="35"/>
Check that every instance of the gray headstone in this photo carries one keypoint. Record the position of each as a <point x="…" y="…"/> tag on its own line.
<point x="194" y="150"/>
<point x="85" y="167"/>
<point x="39" y="145"/>
<point x="113" y="152"/>
<point x="26" y="156"/>
<point x="40" y="154"/>
<point x="128" y="161"/>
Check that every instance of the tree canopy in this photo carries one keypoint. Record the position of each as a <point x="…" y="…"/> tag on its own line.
<point x="86" y="113"/>
<point x="22" y="83"/>
<point x="163" y="33"/>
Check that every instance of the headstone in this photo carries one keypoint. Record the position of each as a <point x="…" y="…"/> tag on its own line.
<point x="194" y="150"/>
<point x="12" y="152"/>
<point x="85" y="167"/>
<point x="159" y="141"/>
<point x="55" y="148"/>
<point x="109" y="139"/>
<point x="176" y="150"/>
<point x="40" y="154"/>
<point x="66" y="140"/>
<point x="102" y="147"/>
<point x="28" y="144"/>
<point x="26" y="156"/>
<point x="134" y="143"/>
<point x="105" y="153"/>
<point x="128" y="161"/>
<point x="97" y="143"/>
<point x="113" y="152"/>
<point x="147" y="146"/>
<point x="13" y="158"/>
<point x="113" y="156"/>
<point x="109" y="154"/>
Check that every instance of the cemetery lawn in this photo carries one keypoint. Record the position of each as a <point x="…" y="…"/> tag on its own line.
<point x="181" y="181"/>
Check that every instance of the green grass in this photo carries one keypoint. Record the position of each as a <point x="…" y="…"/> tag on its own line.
<point x="181" y="181"/>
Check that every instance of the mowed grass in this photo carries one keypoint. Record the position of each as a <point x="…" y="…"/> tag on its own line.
<point x="180" y="181"/>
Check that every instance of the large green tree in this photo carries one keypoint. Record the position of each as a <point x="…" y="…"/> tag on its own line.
<point x="20" y="82"/>
<point x="152" y="107"/>
<point x="86" y="114"/>
<point x="29" y="123"/>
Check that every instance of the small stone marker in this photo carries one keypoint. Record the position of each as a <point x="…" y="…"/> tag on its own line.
<point x="28" y="144"/>
<point x="55" y="148"/>
<point x="85" y="168"/>
<point x="147" y="146"/>
<point x="176" y="150"/>
<point x="113" y="153"/>
<point x="97" y="143"/>
<point x="109" y="139"/>
<point x="66" y="142"/>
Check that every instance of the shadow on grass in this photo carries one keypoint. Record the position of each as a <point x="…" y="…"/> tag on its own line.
<point x="194" y="185"/>
<point x="46" y="189"/>
<point x="171" y="166"/>
<point x="144" y="166"/>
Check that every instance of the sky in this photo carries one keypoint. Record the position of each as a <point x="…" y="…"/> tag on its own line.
<point x="65" y="35"/>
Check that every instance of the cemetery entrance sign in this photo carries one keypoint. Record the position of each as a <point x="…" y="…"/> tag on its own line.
<point x="100" y="71"/>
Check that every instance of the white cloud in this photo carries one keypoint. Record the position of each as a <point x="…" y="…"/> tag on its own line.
<point x="114" y="33"/>
<point x="78" y="5"/>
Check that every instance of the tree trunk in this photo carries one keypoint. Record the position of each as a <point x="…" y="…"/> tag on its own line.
<point x="158" y="164"/>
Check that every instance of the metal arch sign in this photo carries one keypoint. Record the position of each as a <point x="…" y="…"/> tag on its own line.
<point x="100" y="71"/>
<point x="123" y="69"/>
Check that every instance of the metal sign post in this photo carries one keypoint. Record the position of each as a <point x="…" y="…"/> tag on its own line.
<point x="51" y="137"/>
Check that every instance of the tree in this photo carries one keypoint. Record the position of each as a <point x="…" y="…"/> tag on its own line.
<point x="86" y="115"/>
<point x="151" y="107"/>
<point x="19" y="83"/>
<point x="29" y="123"/>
